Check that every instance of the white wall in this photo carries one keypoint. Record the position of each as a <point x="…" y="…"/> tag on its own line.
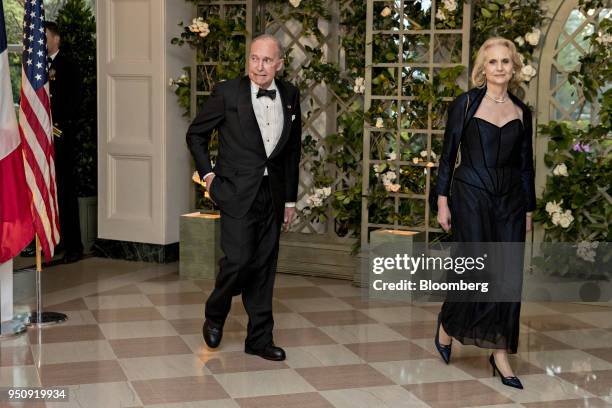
<point x="143" y="163"/>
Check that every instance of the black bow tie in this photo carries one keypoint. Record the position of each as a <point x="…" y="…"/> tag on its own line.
<point x="270" y="93"/>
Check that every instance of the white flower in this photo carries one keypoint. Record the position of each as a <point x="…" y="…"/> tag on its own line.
<point x="379" y="168"/>
<point x="528" y="72"/>
<point x="604" y="39"/>
<point x="295" y="3"/>
<point x="556" y="218"/>
<point x="326" y="191"/>
<point x="560" y="170"/>
<point x="392" y="156"/>
<point x="533" y="37"/>
<point x="590" y="12"/>
<point x="423" y="153"/>
<point x="386" y="12"/>
<point x="183" y="79"/>
<point x="440" y="15"/>
<point x="307" y="211"/>
<point x="379" y="123"/>
<point x="566" y="218"/>
<point x="394" y="188"/>
<point x="416" y="160"/>
<point x="433" y="155"/>
<point x="170" y="82"/>
<point x="388" y="177"/>
<point x="450" y="5"/>
<point x="586" y="250"/>
<point x="359" y="86"/>
<point x="519" y="40"/>
<point x="553" y="207"/>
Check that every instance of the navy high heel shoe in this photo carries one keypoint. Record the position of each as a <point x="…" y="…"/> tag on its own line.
<point x="509" y="381"/>
<point x="443" y="349"/>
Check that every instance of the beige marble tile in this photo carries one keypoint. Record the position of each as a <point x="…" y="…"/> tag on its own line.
<point x="564" y="361"/>
<point x="320" y="356"/>
<point x="302" y="400"/>
<point x="420" y="371"/>
<point x="399" y="314"/>
<point x="179" y="389"/>
<point x="260" y="383"/>
<point x="53" y="353"/>
<point x="149" y="346"/>
<point x="361" y="333"/>
<point x="232" y="341"/>
<point x="220" y="403"/>
<point x="15" y="356"/>
<point x="117" y="301"/>
<point x="456" y="394"/>
<point x="310" y="336"/>
<point x="283" y="280"/>
<point x="87" y="372"/>
<point x="343" y="376"/>
<point x="79" y="317"/>
<point x="597" y="319"/>
<point x="128" y="330"/>
<point x="21" y="376"/>
<point x="299" y="292"/>
<point x="132" y="314"/>
<point x="182" y="311"/>
<point x="168" y="287"/>
<point x="316" y="304"/>
<point x="343" y="290"/>
<point x="389" y="351"/>
<point x="338" y="318"/>
<point x="536" y="309"/>
<point x="238" y="361"/>
<point x="538" y="387"/>
<point x="459" y="350"/>
<point x="597" y="383"/>
<point x="391" y="396"/>
<point x="178" y="298"/>
<point x="65" y="333"/>
<point x="584" y="338"/>
<point x="570" y="403"/>
<point x="147" y="368"/>
<point x="102" y="395"/>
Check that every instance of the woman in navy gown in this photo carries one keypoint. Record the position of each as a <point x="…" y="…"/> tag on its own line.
<point x="492" y="195"/>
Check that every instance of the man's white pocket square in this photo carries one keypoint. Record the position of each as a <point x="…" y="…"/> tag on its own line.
<point x="292" y="118"/>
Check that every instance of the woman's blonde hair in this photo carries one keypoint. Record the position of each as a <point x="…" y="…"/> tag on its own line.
<point x="479" y="78"/>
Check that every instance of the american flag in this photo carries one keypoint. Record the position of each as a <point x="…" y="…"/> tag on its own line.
<point x="36" y="129"/>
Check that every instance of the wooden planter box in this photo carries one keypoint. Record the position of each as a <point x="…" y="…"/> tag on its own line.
<point x="200" y="245"/>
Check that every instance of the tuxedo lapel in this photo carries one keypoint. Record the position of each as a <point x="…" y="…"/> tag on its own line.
<point x="282" y="91"/>
<point x="246" y="115"/>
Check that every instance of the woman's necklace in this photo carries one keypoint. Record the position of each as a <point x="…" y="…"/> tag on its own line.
<point x="497" y="100"/>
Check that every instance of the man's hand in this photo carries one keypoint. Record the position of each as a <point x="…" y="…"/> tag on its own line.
<point x="444" y="214"/>
<point x="289" y="217"/>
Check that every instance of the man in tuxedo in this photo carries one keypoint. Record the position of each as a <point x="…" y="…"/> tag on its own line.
<point x="65" y="90"/>
<point x="254" y="183"/>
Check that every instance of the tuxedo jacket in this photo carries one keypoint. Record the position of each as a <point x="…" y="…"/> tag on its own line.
<point x="242" y="158"/>
<point x="65" y="89"/>
<point x="460" y="111"/>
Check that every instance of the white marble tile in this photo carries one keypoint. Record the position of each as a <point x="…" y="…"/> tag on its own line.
<point x="316" y="304"/>
<point x="420" y="371"/>
<point x="459" y="350"/>
<point x="19" y="376"/>
<point x="538" y="388"/>
<point x="259" y="383"/>
<point x="583" y="338"/>
<point x="71" y="352"/>
<point x="565" y="361"/>
<point x="168" y="287"/>
<point x="102" y="395"/>
<point x="147" y="368"/>
<point x="399" y="314"/>
<point x="361" y="333"/>
<point x="174" y="312"/>
<point x="392" y="396"/>
<point x="224" y="403"/>
<point x="320" y="356"/>
<point x="117" y="301"/>
<point x="130" y="330"/>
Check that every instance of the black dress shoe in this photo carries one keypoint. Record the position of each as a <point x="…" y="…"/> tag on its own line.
<point x="269" y="352"/>
<point x="513" y="382"/>
<point x="212" y="335"/>
<point x="72" y="256"/>
<point x="443" y="349"/>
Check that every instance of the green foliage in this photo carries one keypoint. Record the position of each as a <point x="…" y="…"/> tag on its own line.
<point x="77" y="24"/>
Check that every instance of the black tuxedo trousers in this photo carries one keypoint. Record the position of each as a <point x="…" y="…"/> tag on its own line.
<point x="250" y="244"/>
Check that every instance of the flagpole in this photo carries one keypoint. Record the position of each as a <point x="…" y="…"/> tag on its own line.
<point x="41" y="318"/>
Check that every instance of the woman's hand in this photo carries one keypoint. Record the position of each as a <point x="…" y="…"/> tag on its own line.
<point x="529" y="221"/>
<point x="444" y="215"/>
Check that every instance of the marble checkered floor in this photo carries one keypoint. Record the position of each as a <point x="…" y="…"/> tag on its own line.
<point x="134" y="340"/>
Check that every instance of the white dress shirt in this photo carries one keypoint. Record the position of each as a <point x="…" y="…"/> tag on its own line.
<point x="270" y="118"/>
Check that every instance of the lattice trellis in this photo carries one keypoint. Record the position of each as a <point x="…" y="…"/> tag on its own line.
<point x="407" y="47"/>
<point x="321" y="107"/>
<point x="565" y="101"/>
